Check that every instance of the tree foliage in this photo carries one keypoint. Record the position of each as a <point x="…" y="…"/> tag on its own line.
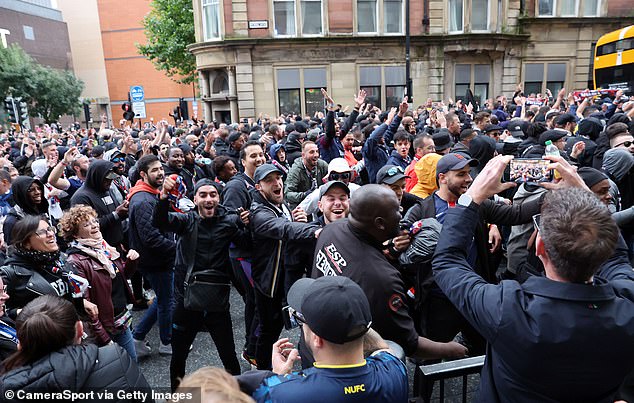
<point x="169" y="28"/>
<point x="48" y="92"/>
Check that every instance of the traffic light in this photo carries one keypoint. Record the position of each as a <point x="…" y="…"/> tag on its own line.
<point x="9" y="107"/>
<point x="23" y="112"/>
<point x="86" y="113"/>
<point x="183" y="109"/>
<point x="177" y="113"/>
<point x="128" y="114"/>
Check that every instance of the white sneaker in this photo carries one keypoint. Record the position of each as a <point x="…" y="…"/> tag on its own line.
<point x="165" y="349"/>
<point x="142" y="348"/>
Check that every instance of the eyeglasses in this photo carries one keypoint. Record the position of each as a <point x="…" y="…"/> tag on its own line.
<point x="44" y="232"/>
<point x="625" y="144"/>
<point x="536" y="221"/>
<point x="335" y="176"/>
<point x="395" y="171"/>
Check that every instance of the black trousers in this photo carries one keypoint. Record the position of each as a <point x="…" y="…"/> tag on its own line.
<point x="270" y="317"/>
<point x="186" y="324"/>
<point x="248" y="296"/>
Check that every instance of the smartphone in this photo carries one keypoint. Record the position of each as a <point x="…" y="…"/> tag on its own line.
<point x="290" y="322"/>
<point x="526" y="170"/>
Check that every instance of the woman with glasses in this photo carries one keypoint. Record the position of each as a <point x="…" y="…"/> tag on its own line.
<point x="107" y="273"/>
<point x="8" y="335"/>
<point x="35" y="267"/>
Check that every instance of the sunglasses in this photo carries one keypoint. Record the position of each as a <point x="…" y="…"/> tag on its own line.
<point x="335" y="176"/>
<point x="624" y="144"/>
<point x="118" y="159"/>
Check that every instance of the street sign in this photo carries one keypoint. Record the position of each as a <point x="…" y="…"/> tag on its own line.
<point x="136" y="93"/>
<point x="139" y="110"/>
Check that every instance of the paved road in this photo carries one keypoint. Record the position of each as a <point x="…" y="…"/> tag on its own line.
<point x="204" y="353"/>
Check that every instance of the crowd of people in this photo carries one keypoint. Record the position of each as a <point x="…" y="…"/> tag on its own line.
<point x="382" y="234"/>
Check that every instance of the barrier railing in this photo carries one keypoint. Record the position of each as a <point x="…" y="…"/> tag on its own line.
<point x="426" y="375"/>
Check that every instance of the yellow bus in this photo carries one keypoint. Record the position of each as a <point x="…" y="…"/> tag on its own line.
<point x="614" y="60"/>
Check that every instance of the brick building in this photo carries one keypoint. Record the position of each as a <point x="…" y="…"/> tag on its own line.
<point x="272" y="56"/>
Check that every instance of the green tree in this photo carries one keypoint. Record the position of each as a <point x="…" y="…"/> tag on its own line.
<point x="49" y="92"/>
<point x="169" y="28"/>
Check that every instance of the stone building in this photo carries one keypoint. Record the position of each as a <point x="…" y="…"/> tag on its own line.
<point x="273" y="56"/>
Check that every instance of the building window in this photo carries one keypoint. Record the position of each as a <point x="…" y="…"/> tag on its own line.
<point x="392" y="16"/>
<point x="456" y="21"/>
<point x="541" y="76"/>
<point x="546" y="8"/>
<point x="28" y="32"/>
<point x="388" y="80"/>
<point x="307" y="22"/>
<point x="591" y="8"/>
<point x="569" y="8"/>
<point x="211" y="19"/>
<point x="367" y="16"/>
<point x="301" y="87"/>
<point x="394" y="85"/>
<point x="370" y="81"/>
<point x="284" y="11"/>
<point x="220" y="84"/>
<point x="380" y="16"/>
<point x="311" y="17"/>
<point x="473" y="77"/>
<point x="479" y="15"/>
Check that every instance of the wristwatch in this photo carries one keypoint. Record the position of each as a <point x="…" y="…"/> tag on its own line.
<point x="465" y="200"/>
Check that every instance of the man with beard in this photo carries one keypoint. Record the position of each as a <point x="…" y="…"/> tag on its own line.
<point x="203" y="242"/>
<point x="440" y="319"/>
<point x="272" y="226"/>
<point x="96" y="192"/>
<point x="352" y="248"/>
<point x="157" y="250"/>
<point x="121" y="184"/>
<point x="79" y="164"/>
<point x="237" y="194"/>
<point x="305" y="175"/>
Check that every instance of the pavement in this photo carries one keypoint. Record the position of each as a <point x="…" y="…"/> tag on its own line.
<point x="156" y="367"/>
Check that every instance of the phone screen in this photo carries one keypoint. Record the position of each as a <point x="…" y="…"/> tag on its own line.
<point x="530" y="170"/>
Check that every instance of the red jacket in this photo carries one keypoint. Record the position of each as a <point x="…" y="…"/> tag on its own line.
<point x="100" y="290"/>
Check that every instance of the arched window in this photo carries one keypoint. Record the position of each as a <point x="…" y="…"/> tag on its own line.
<point x="221" y="85"/>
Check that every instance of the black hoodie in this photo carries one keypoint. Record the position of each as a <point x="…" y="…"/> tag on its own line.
<point x="23" y="204"/>
<point x="92" y="194"/>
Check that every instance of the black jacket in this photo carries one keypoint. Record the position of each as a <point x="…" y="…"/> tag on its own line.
<point x="156" y="248"/>
<point x="490" y="212"/>
<point x="25" y="282"/>
<point x="79" y="368"/>
<point x="91" y="194"/>
<point x="238" y="193"/>
<point x="271" y="232"/>
<point x="23" y="204"/>
<point x="225" y="227"/>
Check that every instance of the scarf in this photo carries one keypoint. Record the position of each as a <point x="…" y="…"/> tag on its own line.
<point x="141" y="186"/>
<point x="99" y="250"/>
<point x="51" y="261"/>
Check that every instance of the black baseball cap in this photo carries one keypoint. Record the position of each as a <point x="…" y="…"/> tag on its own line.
<point x="333" y="184"/>
<point x="334" y="307"/>
<point x="264" y="170"/>
<point x="390" y="174"/>
<point x="492" y="128"/>
<point x="454" y="162"/>
<point x="515" y="128"/>
<point x="552" y="135"/>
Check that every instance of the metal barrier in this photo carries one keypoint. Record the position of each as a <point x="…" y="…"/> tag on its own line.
<point x="426" y="375"/>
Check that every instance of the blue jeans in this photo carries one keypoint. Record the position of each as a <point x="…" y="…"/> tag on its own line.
<point x="163" y="285"/>
<point x="126" y="342"/>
